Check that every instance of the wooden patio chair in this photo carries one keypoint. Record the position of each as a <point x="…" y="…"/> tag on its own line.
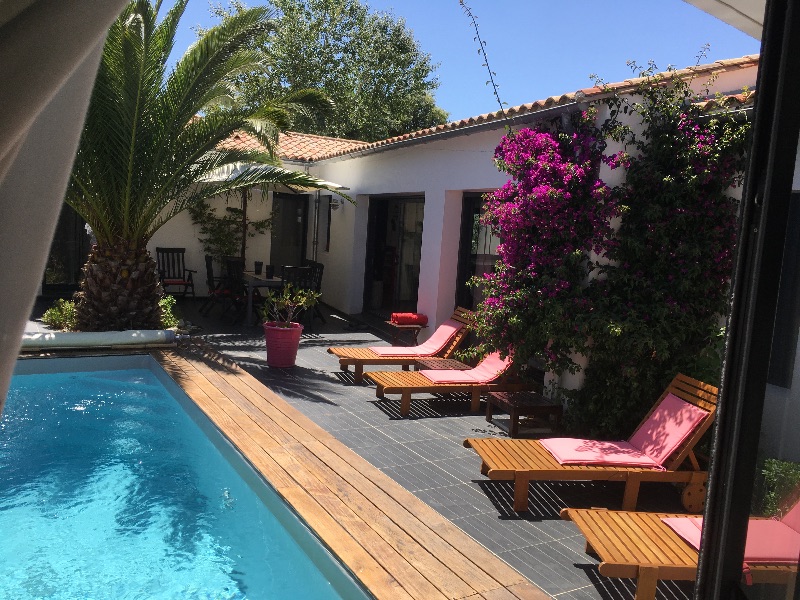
<point x="216" y="289"/>
<point x="491" y="374"/>
<point x="442" y="344"/>
<point x="317" y="269"/>
<point x="650" y="547"/>
<point x="523" y="461"/>
<point x="172" y="270"/>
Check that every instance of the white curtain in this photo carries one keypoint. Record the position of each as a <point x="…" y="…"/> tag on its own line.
<point x="49" y="52"/>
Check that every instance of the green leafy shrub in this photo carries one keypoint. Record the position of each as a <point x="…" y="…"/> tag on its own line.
<point x="282" y="306"/>
<point x="168" y="317"/>
<point x="61" y="315"/>
<point x="777" y="486"/>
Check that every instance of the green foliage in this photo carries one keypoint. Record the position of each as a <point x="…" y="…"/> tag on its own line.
<point x="659" y="301"/>
<point x="61" y="315"/>
<point x="168" y="309"/>
<point x="368" y="63"/>
<point x="144" y="151"/>
<point x="222" y="235"/>
<point x="777" y="488"/>
<point x="282" y="305"/>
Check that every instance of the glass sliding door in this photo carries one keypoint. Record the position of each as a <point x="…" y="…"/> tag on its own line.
<point x="289" y="230"/>
<point x="477" y="251"/>
<point x="394" y="250"/>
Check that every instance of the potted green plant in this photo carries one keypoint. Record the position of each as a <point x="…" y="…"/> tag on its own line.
<point x="281" y="333"/>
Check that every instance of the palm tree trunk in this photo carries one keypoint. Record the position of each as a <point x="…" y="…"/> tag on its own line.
<point x="120" y="289"/>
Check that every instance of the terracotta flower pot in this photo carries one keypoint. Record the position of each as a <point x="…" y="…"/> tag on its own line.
<point x="282" y="343"/>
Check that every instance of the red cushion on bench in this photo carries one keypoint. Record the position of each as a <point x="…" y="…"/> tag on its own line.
<point x="409" y="319"/>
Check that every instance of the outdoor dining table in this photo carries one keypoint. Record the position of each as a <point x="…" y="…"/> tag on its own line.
<point x="254" y="281"/>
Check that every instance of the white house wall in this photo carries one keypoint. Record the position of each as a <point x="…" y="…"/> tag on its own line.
<point x="440" y="171"/>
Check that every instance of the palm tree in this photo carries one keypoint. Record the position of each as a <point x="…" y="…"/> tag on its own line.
<point x="146" y="155"/>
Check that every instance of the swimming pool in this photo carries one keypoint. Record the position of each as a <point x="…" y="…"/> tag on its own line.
<point x="113" y="484"/>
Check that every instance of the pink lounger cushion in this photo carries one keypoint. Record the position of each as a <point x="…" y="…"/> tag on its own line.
<point x="573" y="451"/>
<point x="768" y="540"/>
<point x="489" y="369"/>
<point x="667" y="427"/>
<point x="433" y="345"/>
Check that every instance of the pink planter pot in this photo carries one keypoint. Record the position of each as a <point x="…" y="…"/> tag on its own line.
<point x="282" y="344"/>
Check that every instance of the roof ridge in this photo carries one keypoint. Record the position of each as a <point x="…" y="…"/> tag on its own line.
<point x="743" y="62"/>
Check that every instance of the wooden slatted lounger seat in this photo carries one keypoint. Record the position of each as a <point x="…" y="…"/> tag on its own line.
<point x="488" y="376"/>
<point x="443" y="343"/>
<point x="523" y="461"/>
<point x="642" y="546"/>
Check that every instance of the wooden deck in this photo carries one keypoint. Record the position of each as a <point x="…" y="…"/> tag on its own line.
<point x="395" y="544"/>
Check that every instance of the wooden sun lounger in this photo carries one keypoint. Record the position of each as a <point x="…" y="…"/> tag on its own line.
<point x="407" y="383"/>
<point x="642" y="547"/>
<point x="359" y="357"/>
<point x="523" y="461"/>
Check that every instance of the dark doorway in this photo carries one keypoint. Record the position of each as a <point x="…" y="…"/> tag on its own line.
<point x="477" y="250"/>
<point x="289" y="230"/>
<point x="68" y="254"/>
<point x="394" y="250"/>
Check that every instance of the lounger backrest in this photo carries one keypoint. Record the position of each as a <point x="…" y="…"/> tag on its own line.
<point x="792" y="517"/>
<point x="463" y="317"/>
<point x="667" y="427"/>
<point x="674" y="448"/>
<point x="440" y="338"/>
<point x="490" y="368"/>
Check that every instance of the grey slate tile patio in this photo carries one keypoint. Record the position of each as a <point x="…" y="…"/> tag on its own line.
<point x="425" y="454"/>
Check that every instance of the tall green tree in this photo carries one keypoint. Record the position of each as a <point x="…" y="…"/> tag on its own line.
<point x="150" y="149"/>
<point x="369" y="63"/>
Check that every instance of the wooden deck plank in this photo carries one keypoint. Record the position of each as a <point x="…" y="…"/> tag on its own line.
<point x="399" y="524"/>
<point x="390" y="546"/>
<point x="394" y="543"/>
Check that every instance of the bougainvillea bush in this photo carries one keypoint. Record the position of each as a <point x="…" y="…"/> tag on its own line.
<point x="552" y="217"/>
<point x="660" y="301"/>
<point x="644" y="301"/>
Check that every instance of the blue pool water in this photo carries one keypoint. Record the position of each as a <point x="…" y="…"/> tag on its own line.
<point x="113" y="487"/>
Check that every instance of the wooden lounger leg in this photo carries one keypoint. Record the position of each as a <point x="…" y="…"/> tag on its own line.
<point x="475" y="405"/>
<point x="358" y="372"/>
<point x="790" y="585"/>
<point x="631" y="494"/>
<point x="405" y="367"/>
<point x="520" y="493"/>
<point x="379" y="390"/>
<point x="405" y="403"/>
<point x="646" y="582"/>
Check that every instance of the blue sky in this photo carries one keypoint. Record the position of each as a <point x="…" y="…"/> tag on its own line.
<point x="541" y="48"/>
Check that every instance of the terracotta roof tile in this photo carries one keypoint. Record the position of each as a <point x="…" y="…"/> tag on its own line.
<point x="292" y="145"/>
